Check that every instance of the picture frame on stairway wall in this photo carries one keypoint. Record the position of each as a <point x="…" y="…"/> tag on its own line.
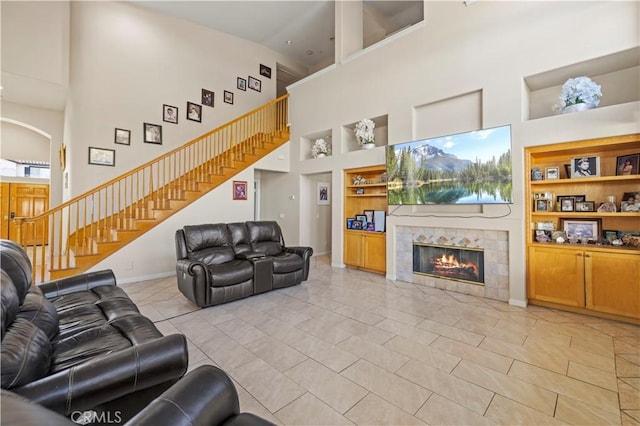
<point x="255" y="84"/>
<point x="242" y="84"/>
<point x="102" y="156"/>
<point x="122" y="137"/>
<point x="208" y="98"/>
<point x="194" y="112"/>
<point x="265" y="71"/>
<point x="228" y="97"/>
<point x="152" y="133"/>
<point x="170" y="114"/>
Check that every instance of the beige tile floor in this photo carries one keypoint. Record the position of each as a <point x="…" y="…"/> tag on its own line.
<point x="349" y="347"/>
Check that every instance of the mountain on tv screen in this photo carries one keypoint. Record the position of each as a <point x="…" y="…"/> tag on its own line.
<point x="465" y="168"/>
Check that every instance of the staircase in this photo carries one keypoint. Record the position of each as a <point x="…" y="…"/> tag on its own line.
<point x="90" y="227"/>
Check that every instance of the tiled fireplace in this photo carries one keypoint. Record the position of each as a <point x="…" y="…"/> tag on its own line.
<point x="468" y="261"/>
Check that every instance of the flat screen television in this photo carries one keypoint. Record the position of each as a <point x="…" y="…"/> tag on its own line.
<point x="464" y="168"/>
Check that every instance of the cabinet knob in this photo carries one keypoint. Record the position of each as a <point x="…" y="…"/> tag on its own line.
<point x="579" y="254"/>
<point x="587" y="255"/>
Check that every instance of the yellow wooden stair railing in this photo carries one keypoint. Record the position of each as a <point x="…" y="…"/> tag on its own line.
<point x="77" y="234"/>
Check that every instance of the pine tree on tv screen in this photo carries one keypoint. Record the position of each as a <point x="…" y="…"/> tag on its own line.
<point x="465" y="168"/>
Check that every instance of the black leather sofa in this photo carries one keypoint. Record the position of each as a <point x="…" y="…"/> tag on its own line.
<point x="80" y="343"/>
<point x="205" y="396"/>
<point x="219" y="263"/>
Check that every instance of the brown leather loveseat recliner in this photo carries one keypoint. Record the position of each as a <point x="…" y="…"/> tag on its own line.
<point x="219" y="263"/>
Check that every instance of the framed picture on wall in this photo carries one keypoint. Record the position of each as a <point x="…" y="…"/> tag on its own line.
<point x="170" y="114"/>
<point x="194" y="112"/>
<point x="265" y="71"/>
<point x="122" y="136"/>
<point x="323" y="194"/>
<point x="242" y="84"/>
<point x="239" y="189"/>
<point x="102" y="156"/>
<point x="208" y="97"/>
<point x="228" y="97"/>
<point x="255" y="84"/>
<point x="152" y="133"/>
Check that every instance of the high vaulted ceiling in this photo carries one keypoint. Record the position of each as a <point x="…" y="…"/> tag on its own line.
<point x="302" y="30"/>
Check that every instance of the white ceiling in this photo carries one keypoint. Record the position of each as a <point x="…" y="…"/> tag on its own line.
<point x="308" y="24"/>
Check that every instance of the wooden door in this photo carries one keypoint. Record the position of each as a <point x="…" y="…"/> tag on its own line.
<point x="375" y="252"/>
<point x="353" y="248"/>
<point x="5" y="212"/>
<point x="613" y="283"/>
<point x="556" y="275"/>
<point x="26" y="200"/>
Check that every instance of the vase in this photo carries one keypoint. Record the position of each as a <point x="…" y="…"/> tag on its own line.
<point x="368" y="145"/>
<point x="576" y="108"/>
<point x="321" y="154"/>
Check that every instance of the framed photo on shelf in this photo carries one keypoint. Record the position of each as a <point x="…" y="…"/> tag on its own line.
<point x="152" y="133"/>
<point x="362" y="218"/>
<point x="630" y="202"/>
<point x="567" y="170"/>
<point x="582" y="167"/>
<point x="102" y="156"/>
<point x="609" y="235"/>
<point x="628" y="165"/>
<point x="122" y="136"/>
<point x="356" y="224"/>
<point x="323" y="194"/>
<point x="194" y="112"/>
<point x="369" y="215"/>
<point x="581" y="228"/>
<point x="543" y="206"/>
<point x="546" y="226"/>
<point x="552" y="173"/>
<point x="350" y="221"/>
<point x="359" y="191"/>
<point x="170" y="114"/>
<point x="567" y="204"/>
<point x="585" y="206"/>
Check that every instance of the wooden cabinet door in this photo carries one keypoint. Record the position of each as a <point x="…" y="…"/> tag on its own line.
<point x="375" y="252"/>
<point x="353" y="249"/>
<point x="556" y="275"/>
<point x="613" y="283"/>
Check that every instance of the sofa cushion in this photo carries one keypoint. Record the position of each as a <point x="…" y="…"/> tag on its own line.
<point x="240" y="237"/>
<point x="265" y="237"/>
<point x="87" y="344"/>
<point x="8" y="301"/>
<point x="25" y="354"/>
<point x="17" y="266"/>
<point x="229" y="273"/>
<point x="286" y="262"/>
<point x="199" y="237"/>
<point x="213" y="255"/>
<point x="41" y="312"/>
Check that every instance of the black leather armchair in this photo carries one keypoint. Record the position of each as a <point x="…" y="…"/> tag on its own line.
<point x="80" y="343"/>
<point x="207" y="268"/>
<point x="290" y="264"/>
<point x="205" y="396"/>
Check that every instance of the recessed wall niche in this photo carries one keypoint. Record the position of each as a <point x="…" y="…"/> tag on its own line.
<point x="380" y="133"/>
<point x="307" y="141"/>
<point x="618" y="74"/>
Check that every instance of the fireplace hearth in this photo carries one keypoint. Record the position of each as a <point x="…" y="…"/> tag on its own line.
<point x="449" y="262"/>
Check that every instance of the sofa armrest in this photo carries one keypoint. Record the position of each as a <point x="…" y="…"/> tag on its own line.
<point x="205" y="396"/>
<point x="193" y="280"/>
<point x="112" y="376"/>
<point x="76" y="283"/>
<point x="305" y="253"/>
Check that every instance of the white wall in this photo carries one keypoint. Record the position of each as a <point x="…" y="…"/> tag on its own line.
<point x="127" y="62"/>
<point x="489" y="48"/>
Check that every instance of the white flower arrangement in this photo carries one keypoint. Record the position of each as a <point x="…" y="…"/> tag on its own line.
<point x="320" y="146"/>
<point x="364" y="131"/>
<point x="580" y="90"/>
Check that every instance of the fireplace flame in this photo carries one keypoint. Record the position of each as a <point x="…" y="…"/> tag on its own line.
<point x="451" y="262"/>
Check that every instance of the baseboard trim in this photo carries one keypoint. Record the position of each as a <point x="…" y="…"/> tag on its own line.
<point x="145" y="277"/>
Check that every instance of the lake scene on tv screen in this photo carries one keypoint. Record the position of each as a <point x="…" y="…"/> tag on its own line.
<point x="465" y="168"/>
